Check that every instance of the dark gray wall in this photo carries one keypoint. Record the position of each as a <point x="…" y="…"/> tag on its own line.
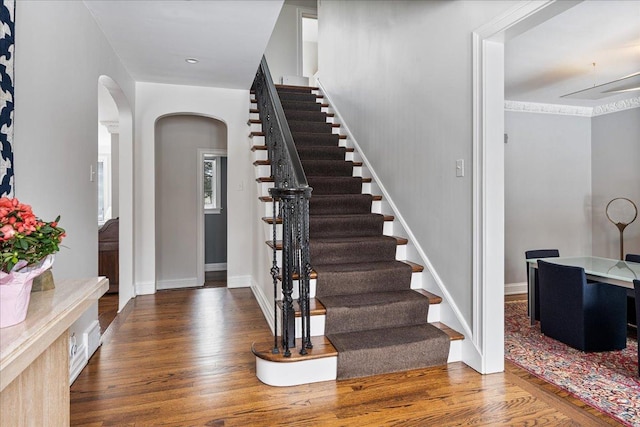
<point x="615" y="151"/>
<point x="215" y="225"/>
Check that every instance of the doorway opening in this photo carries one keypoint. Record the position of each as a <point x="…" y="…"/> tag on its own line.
<point x="309" y="45"/>
<point x="190" y="157"/>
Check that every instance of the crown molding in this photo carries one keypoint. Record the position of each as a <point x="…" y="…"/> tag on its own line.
<point x="535" y="107"/>
<point x="572" y="110"/>
<point x="112" y="126"/>
<point x="614" y="107"/>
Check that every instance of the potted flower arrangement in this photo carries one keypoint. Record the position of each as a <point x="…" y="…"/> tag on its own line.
<point x="27" y="245"/>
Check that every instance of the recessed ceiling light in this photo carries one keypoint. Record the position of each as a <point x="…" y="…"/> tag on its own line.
<point x="191" y="61"/>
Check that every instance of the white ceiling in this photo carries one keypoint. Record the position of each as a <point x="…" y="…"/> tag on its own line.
<point x="556" y="58"/>
<point x="153" y="38"/>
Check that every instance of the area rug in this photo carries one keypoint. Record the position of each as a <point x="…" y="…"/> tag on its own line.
<point x="607" y="381"/>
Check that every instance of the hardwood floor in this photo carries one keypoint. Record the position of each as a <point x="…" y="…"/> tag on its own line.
<point x="182" y="358"/>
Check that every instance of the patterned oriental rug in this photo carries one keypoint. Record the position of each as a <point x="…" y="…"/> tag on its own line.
<point x="607" y="381"/>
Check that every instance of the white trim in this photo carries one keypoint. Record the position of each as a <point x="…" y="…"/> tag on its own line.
<point x="534" y="107"/>
<point x="515" y="288"/>
<point x="187" y="282"/>
<point x="239" y="282"/>
<point x="265" y="305"/>
<point x="200" y="211"/>
<point x="488" y="170"/>
<point x="614" y="107"/>
<point x="216" y="266"/>
<point x="572" y="110"/>
<point x="145" y="288"/>
<point x="112" y="126"/>
<point x="282" y="374"/>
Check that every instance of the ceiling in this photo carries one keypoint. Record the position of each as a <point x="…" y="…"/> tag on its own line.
<point x="556" y="57"/>
<point x="153" y="38"/>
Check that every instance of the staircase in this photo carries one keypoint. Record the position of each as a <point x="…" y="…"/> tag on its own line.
<point x="366" y="316"/>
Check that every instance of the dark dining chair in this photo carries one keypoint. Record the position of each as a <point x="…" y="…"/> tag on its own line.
<point x="538" y="253"/>
<point x="636" y="287"/>
<point x="587" y="316"/>
<point x="632" y="317"/>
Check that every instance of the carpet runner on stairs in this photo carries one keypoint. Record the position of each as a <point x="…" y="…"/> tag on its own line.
<point x="373" y="318"/>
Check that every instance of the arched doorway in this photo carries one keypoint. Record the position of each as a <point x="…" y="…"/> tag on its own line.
<point x="124" y="199"/>
<point x="190" y="157"/>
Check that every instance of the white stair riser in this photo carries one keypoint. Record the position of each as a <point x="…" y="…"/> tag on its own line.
<point x="290" y="374"/>
<point x="257" y="140"/>
<point x="260" y="155"/>
<point x="263" y="170"/>
<point x="255" y="127"/>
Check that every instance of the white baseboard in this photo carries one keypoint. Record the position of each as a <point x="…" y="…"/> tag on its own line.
<point x="145" y="288"/>
<point x="91" y="338"/>
<point x="239" y="282"/>
<point x="81" y="349"/>
<point x="265" y="305"/>
<point x="515" y="288"/>
<point x="220" y="266"/>
<point x="188" y="282"/>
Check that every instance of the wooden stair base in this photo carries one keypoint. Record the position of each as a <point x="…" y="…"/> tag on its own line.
<point x="322" y="347"/>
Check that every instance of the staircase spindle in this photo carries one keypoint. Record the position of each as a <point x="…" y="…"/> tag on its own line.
<point x="292" y="193"/>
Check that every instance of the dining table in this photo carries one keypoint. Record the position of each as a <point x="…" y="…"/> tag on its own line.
<point x="614" y="272"/>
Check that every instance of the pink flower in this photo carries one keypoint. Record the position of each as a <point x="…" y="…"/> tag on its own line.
<point x="7" y="232"/>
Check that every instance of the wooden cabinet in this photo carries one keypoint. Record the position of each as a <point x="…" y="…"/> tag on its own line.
<point x="108" y="254"/>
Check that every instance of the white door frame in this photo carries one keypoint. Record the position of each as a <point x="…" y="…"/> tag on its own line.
<point x="200" y="210"/>
<point x="488" y="174"/>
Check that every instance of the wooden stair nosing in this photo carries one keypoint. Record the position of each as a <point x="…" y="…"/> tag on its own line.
<point x="269" y="220"/>
<point x="401" y="241"/>
<point x="322" y="347"/>
<point x="269" y="199"/>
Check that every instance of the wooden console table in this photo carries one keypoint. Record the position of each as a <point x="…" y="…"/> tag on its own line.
<point x="34" y="354"/>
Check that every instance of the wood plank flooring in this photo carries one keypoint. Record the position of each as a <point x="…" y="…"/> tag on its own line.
<point x="183" y="358"/>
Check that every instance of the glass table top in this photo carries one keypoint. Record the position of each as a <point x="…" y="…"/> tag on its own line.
<point x="615" y="269"/>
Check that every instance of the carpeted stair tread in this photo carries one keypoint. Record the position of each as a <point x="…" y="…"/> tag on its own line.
<point x="316" y="139"/>
<point x="345" y="225"/>
<point x="310" y="116"/>
<point x="357" y="278"/>
<point x="337" y="250"/>
<point x="300" y="106"/>
<point x="323" y="185"/>
<point x="327" y="168"/>
<point x="321" y="153"/>
<point x="340" y="204"/>
<point x="374" y="310"/>
<point x="387" y="350"/>
<point x="310" y="127"/>
<point x="296" y="96"/>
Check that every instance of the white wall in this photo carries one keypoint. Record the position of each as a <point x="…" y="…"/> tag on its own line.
<point x="285" y="44"/>
<point x="227" y="105"/>
<point x="178" y="139"/>
<point x="547" y="187"/>
<point x="60" y="54"/>
<point x="400" y="74"/>
<point x="615" y="150"/>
